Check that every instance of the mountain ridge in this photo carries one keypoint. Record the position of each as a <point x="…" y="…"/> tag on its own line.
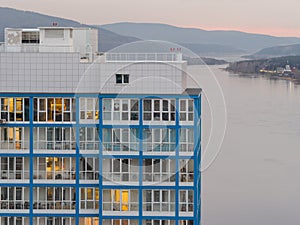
<point x="14" y="18"/>
<point x="276" y="51"/>
<point x="249" y="42"/>
<point x="204" y="45"/>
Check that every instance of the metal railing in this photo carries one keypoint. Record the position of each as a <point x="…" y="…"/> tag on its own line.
<point x="54" y="175"/>
<point x="142" y="57"/>
<point x="14" y="174"/>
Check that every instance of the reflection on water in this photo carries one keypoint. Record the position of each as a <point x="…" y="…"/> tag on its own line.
<point x="255" y="179"/>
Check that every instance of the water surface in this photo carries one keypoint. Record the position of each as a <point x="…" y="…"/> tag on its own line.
<point x="256" y="178"/>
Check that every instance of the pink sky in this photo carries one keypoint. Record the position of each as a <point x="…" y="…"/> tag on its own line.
<point x="254" y="16"/>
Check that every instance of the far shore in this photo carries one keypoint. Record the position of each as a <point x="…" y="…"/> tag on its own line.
<point x="272" y="77"/>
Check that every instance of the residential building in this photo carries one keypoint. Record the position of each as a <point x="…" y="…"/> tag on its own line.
<point x="89" y="138"/>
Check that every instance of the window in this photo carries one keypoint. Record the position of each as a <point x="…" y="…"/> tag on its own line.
<point x="54" y="109"/>
<point x="54" y="33"/>
<point x="53" y="221"/>
<point x="120" y="169"/>
<point x="12" y="168"/>
<point x="54" y="138"/>
<point x="120" y="200"/>
<point x="14" y="197"/>
<point x="16" y="138"/>
<point x="59" y="168"/>
<point x="121" y="109"/>
<point x="159" y="170"/>
<point x="32" y="37"/>
<point x="89" y="198"/>
<point x="159" y="200"/>
<point x="14" y="220"/>
<point x="89" y="138"/>
<point x="89" y="168"/>
<point x="14" y="109"/>
<point x="54" y="198"/>
<point x="159" y="140"/>
<point x="88" y="220"/>
<point x="122" y="78"/>
<point x="89" y="109"/>
<point x="120" y="222"/>
<point x="158" y="222"/>
<point x="117" y="139"/>
<point x="186" y="173"/>
<point x="186" y="200"/>
<point x="186" y="109"/>
<point x="186" y="140"/>
<point x="186" y="222"/>
<point x="159" y="109"/>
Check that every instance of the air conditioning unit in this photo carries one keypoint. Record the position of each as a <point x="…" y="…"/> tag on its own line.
<point x="2" y="121"/>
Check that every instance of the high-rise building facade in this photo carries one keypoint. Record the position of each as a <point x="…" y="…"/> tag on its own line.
<point x="89" y="138"/>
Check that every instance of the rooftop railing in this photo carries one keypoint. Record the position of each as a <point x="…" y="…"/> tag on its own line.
<point x="143" y="57"/>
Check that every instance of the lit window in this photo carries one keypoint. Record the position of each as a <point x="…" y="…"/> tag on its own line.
<point x="89" y="109"/>
<point x="54" y="109"/>
<point x="120" y="200"/>
<point x="14" y="109"/>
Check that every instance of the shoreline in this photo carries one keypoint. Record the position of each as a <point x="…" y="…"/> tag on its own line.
<point x="271" y="77"/>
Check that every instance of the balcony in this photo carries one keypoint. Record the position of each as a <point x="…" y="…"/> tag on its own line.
<point x="14" y="175"/>
<point x="15" y="205"/>
<point x="63" y="175"/>
<point x="54" y="205"/>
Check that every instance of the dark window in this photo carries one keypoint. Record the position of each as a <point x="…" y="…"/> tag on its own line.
<point x="119" y="78"/>
<point x="30" y="37"/>
<point x="126" y="78"/>
<point x="122" y="78"/>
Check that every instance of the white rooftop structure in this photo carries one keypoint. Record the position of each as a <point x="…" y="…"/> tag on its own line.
<point x="53" y="39"/>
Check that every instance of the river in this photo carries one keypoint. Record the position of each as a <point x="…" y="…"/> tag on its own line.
<point x="255" y="179"/>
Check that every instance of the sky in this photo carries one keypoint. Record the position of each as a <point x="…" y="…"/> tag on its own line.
<point x="279" y="18"/>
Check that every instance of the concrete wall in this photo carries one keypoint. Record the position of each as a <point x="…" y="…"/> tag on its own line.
<point x="63" y="73"/>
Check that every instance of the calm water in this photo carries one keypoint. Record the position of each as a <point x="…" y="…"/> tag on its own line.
<point x="256" y="178"/>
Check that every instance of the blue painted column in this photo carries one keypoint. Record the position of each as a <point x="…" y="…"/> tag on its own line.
<point x="140" y="161"/>
<point x="100" y="127"/>
<point x="31" y="111"/>
<point x="177" y="116"/>
<point x="197" y="159"/>
<point x="77" y="200"/>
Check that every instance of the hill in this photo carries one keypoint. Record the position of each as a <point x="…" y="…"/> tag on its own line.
<point x="233" y="39"/>
<point x="254" y="66"/>
<point x="17" y="18"/>
<point x="276" y="51"/>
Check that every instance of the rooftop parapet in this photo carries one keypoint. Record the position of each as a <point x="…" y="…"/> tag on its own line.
<point x="2" y="47"/>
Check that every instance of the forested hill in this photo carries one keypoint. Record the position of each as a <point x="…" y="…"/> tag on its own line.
<point x="254" y="66"/>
